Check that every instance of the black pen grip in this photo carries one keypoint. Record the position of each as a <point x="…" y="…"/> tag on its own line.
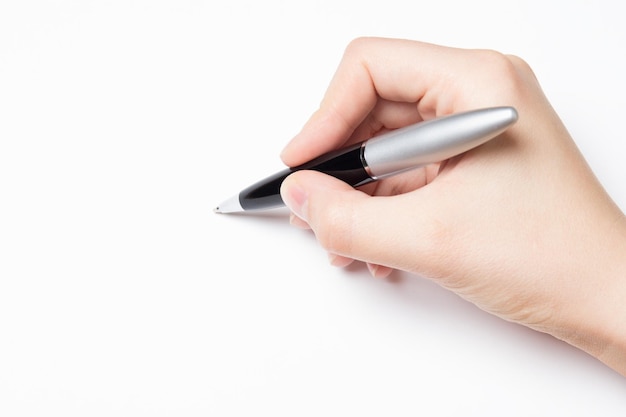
<point x="344" y="164"/>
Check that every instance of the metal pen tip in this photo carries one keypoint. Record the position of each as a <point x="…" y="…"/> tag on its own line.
<point x="232" y="205"/>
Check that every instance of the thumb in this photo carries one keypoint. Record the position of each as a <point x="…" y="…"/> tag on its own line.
<point x="353" y="224"/>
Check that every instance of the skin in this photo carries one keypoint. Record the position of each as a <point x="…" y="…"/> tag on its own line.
<point x="519" y="226"/>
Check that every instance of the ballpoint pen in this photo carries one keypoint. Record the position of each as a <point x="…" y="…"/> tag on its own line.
<point x="389" y="154"/>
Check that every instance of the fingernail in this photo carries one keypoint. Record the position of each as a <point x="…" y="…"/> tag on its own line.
<point x="298" y="222"/>
<point x="379" y="271"/>
<point x="373" y="268"/>
<point x="339" y="261"/>
<point x="296" y="200"/>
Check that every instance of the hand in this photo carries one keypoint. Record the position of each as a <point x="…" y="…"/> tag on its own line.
<point x="519" y="226"/>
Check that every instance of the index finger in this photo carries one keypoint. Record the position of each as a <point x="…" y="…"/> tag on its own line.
<point x="373" y="69"/>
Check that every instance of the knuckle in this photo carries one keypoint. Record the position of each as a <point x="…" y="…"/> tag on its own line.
<point x="494" y="59"/>
<point x="355" y="47"/>
<point x="509" y="73"/>
<point x="513" y="66"/>
<point x="360" y="49"/>
<point x="520" y="65"/>
<point x="498" y="65"/>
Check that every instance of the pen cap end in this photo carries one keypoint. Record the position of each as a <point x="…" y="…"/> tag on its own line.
<point x="509" y="115"/>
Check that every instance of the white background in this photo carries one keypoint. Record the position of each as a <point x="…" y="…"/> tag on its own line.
<point x="123" y="123"/>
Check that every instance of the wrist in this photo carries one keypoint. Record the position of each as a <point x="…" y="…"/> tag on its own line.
<point x="597" y="325"/>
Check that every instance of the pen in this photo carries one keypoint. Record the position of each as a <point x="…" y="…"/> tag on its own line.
<point x="389" y="154"/>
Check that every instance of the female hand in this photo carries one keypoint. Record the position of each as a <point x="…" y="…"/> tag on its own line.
<point x="519" y="226"/>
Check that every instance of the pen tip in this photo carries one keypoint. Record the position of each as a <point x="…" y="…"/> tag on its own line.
<point x="231" y="205"/>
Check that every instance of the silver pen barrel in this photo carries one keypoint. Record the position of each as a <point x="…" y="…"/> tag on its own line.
<point x="433" y="141"/>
